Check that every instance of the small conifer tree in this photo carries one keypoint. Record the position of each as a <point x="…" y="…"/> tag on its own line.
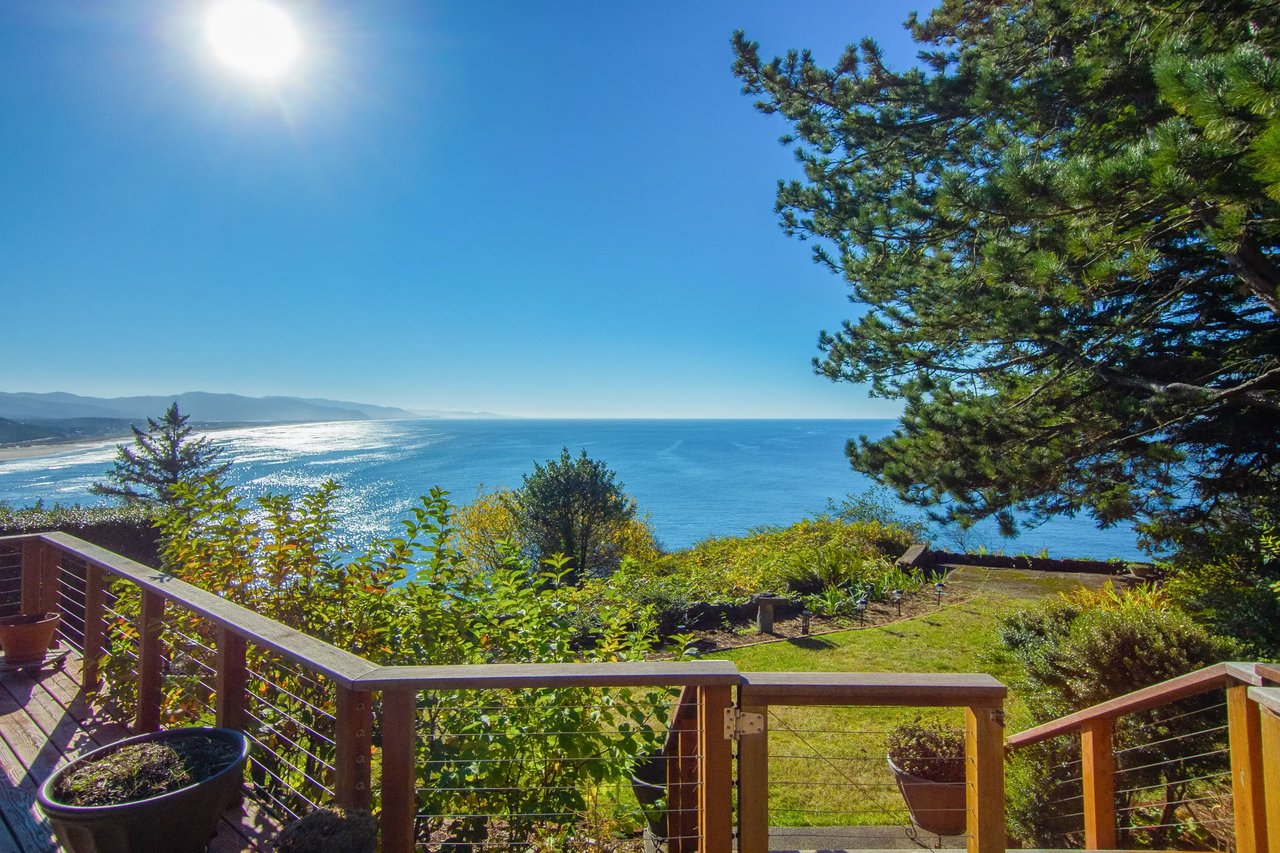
<point x="163" y="455"/>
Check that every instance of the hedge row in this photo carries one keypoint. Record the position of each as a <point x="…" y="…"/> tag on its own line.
<point x="128" y="531"/>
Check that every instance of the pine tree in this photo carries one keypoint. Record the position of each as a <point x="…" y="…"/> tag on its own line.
<point x="160" y="457"/>
<point x="1062" y="230"/>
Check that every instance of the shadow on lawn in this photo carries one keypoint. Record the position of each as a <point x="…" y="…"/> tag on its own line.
<point x="811" y="643"/>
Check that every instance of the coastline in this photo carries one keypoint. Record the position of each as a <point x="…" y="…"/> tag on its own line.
<point x="27" y="451"/>
<point x="54" y="446"/>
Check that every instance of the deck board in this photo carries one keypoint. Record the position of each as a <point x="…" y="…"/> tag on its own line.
<point x="45" y="722"/>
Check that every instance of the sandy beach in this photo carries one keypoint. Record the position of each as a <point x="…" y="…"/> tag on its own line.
<point x="28" y="451"/>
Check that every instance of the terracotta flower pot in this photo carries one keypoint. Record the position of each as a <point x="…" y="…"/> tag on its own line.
<point x="27" y="637"/>
<point x="937" y="807"/>
<point x="180" y="821"/>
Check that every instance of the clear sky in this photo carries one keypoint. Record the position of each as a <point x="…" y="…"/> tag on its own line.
<point x="540" y="209"/>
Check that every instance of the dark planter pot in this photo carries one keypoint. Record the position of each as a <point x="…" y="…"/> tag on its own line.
<point x="182" y="821"/>
<point x="27" y="638"/>
<point x="649" y="784"/>
<point x="937" y="807"/>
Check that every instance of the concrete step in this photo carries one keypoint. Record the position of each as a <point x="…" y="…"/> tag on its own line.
<point x="789" y="839"/>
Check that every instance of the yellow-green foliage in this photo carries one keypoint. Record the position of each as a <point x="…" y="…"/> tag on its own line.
<point x="805" y="557"/>
<point x="482" y="528"/>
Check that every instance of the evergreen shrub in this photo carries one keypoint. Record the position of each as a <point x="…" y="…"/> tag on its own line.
<point x="1084" y="649"/>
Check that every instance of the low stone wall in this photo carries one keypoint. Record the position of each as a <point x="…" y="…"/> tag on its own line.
<point x="923" y="557"/>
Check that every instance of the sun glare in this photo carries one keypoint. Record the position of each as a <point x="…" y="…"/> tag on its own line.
<point x="254" y="37"/>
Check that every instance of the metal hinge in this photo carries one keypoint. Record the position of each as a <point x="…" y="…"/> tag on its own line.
<point x="738" y="723"/>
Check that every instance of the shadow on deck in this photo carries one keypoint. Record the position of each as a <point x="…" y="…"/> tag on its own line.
<point x="44" y="723"/>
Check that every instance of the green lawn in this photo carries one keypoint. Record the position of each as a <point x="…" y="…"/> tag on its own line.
<point x="827" y="765"/>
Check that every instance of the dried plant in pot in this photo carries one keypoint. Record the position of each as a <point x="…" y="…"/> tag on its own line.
<point x="927" y="760"/>
<point x="27" y="638"/>
<point x="159" y="791"/>
<point x="330" y="830"/>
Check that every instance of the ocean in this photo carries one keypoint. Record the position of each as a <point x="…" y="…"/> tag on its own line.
<point x="695" y="479"/>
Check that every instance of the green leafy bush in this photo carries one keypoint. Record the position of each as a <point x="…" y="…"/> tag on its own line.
<point x="1237" y="594"/>
<point x="833" y="602"/>
<point x="126" y="530"/>
<point x="876" y="504"/>
<point x="1085" y="649"/>
<point x="411" y="599"/>
<point x="803" y="558"/>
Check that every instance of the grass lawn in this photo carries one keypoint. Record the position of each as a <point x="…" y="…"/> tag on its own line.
<point x="827" y="765"/>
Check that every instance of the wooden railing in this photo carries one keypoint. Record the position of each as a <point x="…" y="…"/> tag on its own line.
<point x="981" y="696"/>
<point x="1268" y="701"/>
<point x="1253" y="782"/>
<point x="371" y="698"/>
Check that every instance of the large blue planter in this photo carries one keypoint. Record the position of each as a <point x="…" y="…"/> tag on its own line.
<point x="182" y="821"/>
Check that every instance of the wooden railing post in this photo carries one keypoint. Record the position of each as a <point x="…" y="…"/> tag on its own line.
<point x="94" y="626"/>
<point x="150" y="661"/>
<point x="753" y="787"/>
<point x="1248" y="793"/>
<point x="399" y="760"/>
<point x="1098" y="775"/>
<point x="354" y="748"/>
<point x="681" y="755"/>
<point x="32" y="576"/>
<point x="1271" y="773"/>
<point x="984" y="778"/>
<point x="50" y="558"/>
<point x="230" y="678"/>
<point x="715" y="770"/>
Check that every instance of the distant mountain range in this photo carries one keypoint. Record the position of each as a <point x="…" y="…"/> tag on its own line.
<point x="198" y="405"/>
<point x="59" y="416"/>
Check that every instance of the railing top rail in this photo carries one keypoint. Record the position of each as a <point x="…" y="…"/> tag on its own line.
<point x="1214" y="677"/>
<point x="1267" y="697"/>
<point x="354" y="672"/>
<point x="342" y="666"/>
<point x="1268" y="674"/>
<point x="871" y="688"/>
<point x="537" y="675"/>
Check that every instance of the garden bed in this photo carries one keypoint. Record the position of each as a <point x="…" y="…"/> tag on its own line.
<point x="737" y="633"/>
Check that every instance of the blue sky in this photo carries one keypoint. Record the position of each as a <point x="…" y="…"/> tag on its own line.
<point x="540" y="209"/>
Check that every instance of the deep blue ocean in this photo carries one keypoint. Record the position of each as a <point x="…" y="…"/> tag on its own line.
<point x="695" y="479"/>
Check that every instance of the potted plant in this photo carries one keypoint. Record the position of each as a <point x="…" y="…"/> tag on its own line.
<point x="330" y="830"/>
<point x="927" y="760"/>
<point x="27" y="638"/>
<point x="159" y="791"/>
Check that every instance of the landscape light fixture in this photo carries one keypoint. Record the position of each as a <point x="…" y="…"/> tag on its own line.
<point x="897" y="599"/>
<point x="938" y="587"/>
<point x="861" y="604"/>
<point x="804" y="623"/>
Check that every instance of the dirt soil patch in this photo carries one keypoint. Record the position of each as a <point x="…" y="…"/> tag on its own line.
<point x="962" y="583"/>
<point x="744" y="633"/>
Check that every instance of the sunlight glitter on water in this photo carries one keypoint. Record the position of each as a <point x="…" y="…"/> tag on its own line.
<point x="695" y="479"/>
<point x="282" y="443"/>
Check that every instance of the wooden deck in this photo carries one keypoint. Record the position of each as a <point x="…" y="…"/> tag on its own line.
<point x="44" y="723"/>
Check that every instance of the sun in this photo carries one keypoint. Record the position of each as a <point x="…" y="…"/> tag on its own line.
<point x="254" y="37"/>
